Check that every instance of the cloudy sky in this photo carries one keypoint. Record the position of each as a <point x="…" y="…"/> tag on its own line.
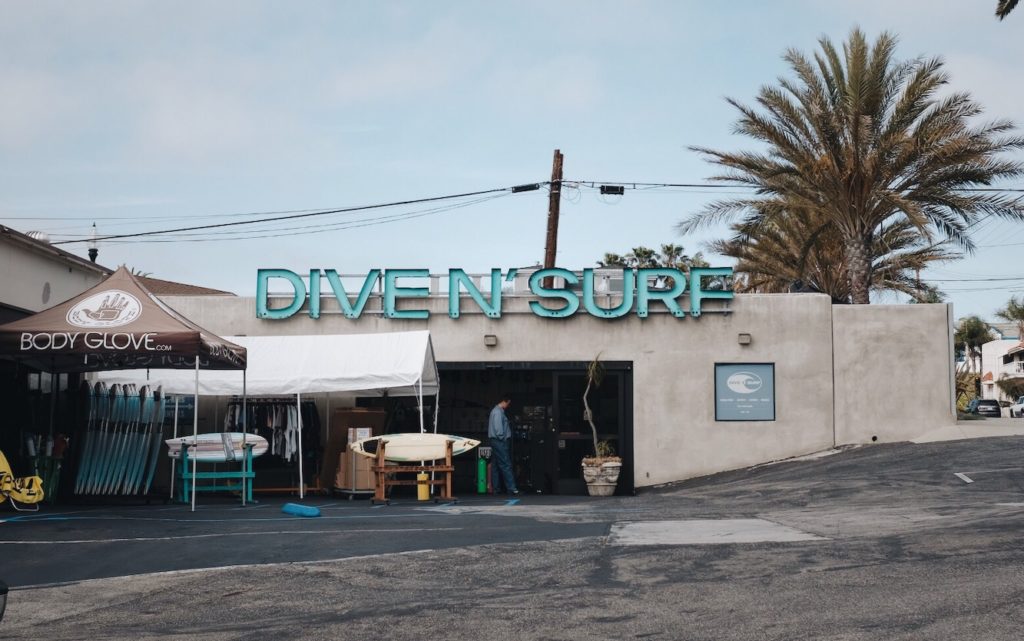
<point x="142" y="116"/>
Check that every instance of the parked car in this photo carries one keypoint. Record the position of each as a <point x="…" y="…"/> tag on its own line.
<point x="1017" y="409"/>
<point x="985" y="407"/>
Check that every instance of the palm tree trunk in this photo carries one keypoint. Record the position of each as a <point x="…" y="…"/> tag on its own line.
<point x="858" y="266"/>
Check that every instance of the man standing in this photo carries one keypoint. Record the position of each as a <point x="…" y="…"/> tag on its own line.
<point x="499" y="433"/>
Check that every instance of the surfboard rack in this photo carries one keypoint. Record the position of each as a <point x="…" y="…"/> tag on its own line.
<point x="237" y="481"/>
<point x="385" y="476"/>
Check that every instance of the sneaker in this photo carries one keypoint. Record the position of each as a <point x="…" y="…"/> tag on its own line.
<point x="514" y="493"/>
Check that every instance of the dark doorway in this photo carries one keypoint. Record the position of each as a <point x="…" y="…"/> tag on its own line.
<point x="550" y="435"/>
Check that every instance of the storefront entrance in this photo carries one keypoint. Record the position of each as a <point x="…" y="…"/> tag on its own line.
<point x="550" y="435"/>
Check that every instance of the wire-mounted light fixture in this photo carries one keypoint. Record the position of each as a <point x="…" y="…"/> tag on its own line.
<point x="93" y="248"/>
<point x="612" y="190"/>
<point x="518" y="189"/>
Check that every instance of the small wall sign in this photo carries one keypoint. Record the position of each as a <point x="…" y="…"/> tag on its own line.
<point x="744" y="391"/>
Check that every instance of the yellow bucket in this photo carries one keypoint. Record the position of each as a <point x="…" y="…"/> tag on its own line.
<point x="422" y="487"/>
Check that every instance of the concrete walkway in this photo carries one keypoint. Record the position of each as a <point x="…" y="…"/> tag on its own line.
<point x="982" y="428"/>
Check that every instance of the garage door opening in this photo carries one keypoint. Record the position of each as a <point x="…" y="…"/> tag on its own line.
<point x="550" y="435"/>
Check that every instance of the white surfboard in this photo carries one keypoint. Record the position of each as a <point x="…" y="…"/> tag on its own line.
<point x="218" y="447"/>
<point x="407" y="447"/>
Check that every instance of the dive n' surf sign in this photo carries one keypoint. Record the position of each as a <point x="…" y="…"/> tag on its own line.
<point x="641" y="288"/>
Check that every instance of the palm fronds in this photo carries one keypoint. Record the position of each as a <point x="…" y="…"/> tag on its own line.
<point x="858" y="140"/>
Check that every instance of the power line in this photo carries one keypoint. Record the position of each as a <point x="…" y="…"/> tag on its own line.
<point x="973" y="280"/>
<point x="312" y="229"/>
<point x="707" y="188"/>
<point x="632" y="184"/>
<point x="304" y="215"/>
<point x="971" y="290"/>
<point x="175" y="217"/>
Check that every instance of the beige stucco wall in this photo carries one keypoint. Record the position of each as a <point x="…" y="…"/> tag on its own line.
<point x="893" y="371"/>
<point x="675" y="432"/>
<point x="35" y="280"/>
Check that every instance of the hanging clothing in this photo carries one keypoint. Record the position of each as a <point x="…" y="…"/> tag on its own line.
<point x="280" y="422"/>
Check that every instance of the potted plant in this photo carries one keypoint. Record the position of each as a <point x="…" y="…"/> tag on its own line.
<point x="600" y="471"/>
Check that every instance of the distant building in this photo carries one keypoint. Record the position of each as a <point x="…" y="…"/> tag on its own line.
<point x="37" y="275"/>
<point x="1007" y="331"/>
<point x="997" y="363"/>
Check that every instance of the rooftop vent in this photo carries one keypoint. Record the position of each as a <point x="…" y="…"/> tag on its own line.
<point x="41" y="236"/>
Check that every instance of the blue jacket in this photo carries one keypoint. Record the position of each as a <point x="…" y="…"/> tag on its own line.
<point x="497" y="424"/>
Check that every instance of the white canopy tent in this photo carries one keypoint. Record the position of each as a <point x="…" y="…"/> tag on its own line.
<point x="396" y="363"/>
<point x="399" y="363"/>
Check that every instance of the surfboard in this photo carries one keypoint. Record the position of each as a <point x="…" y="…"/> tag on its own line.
<point x="406" y="447"/>
<point x="217" y="447"/>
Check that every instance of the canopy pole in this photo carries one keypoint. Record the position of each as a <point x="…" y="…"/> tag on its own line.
<point x="245" y="433"/>
<point x="437" y="406"/>
<point x="173" y="460"/>
<point x="54" y="385"/>
<point x="437" y="381"/>
<point x="195" y="434"/>
<point x="419" y="397"/>
<point x="298" y="436"/>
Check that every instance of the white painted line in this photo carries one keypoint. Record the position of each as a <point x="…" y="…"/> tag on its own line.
<point x="243" y="566"/>
<point x="963" y="477"/>
<point x="207" y="536"/>
<point x="240" y="566"/>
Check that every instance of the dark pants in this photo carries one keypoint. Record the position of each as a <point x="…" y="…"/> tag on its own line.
<point x="501" y="457"/>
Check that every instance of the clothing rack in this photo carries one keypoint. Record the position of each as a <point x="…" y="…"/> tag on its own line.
<point x="306" y="427"/>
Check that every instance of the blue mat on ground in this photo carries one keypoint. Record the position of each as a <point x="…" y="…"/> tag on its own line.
<point x="296" y="509"/>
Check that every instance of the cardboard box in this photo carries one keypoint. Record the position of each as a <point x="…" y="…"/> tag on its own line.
<point x="355" y="472"/>
<point x="341" y="420"/>
<point x="358" y="434"/>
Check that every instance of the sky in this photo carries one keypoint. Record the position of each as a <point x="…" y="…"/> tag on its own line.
<point x="142" y="116"/>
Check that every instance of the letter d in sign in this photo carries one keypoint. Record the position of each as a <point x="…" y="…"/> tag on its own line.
<point x="263" y="310"/>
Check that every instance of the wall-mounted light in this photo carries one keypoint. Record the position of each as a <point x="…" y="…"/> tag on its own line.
<point x="744" y="339"/>
<point x="490" y="340"/>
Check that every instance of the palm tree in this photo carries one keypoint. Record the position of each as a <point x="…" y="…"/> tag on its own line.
<point x="929" y="295"/>
<point x="971" y="333"/>
<point x="1014" y="313"/>
<point x="671" y="256"/>
<point x="1004" y="8"/>
<point x="643" y="257"/>
<point x="612" y="260"/>
<point x="800" y="252"/>
<point x="864" y="141"/>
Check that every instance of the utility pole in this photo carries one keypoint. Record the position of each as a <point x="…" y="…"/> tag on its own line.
<point x="554" y="200"/>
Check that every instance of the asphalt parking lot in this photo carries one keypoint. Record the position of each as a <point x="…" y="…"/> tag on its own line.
<point x="898" y="541"/>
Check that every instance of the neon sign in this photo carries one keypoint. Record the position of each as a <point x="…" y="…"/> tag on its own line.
<point x="638" y="293"/>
